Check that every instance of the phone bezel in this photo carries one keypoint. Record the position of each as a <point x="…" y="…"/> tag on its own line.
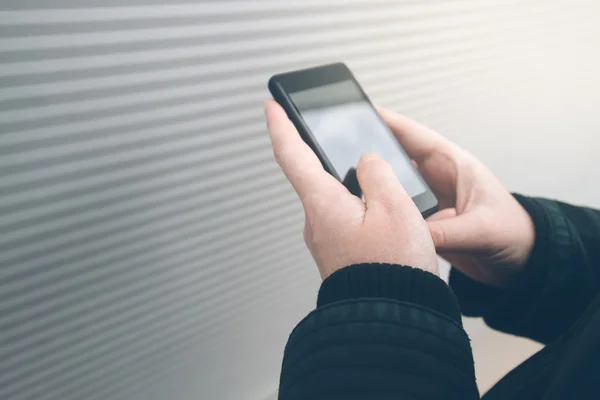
<point x="281" y="85"/>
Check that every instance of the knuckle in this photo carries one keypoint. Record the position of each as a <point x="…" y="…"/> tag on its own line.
<point x="391" y="205"/>
<point x="437" y="235"/>
<point x="307" y="235"/>
<point x="465" y="162"/>
<point x="280" y="154"/>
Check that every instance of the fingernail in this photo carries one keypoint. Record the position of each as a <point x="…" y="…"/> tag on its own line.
<point x="370" y="157"/>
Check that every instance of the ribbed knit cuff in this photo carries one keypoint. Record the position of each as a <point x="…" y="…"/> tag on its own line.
<point x="390" y="281"/>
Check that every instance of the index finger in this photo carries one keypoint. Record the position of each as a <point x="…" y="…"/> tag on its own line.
<point x="299" y="163"/>
<point x="416" y="139"/>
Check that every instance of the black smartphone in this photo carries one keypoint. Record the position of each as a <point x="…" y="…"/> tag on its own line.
<point x="337" y="120"/>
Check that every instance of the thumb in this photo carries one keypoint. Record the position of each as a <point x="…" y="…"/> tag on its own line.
<point x="462" y="233"/>
<point x="378" y="181"/>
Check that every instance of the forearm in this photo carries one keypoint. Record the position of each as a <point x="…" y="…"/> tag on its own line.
<point x="558" y="282"/>
<point x="380" y="331"/>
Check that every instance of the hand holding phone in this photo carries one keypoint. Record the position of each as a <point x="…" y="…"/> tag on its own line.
<point x="337" y="120"/>
<point x="481" y="230"/>
<point x="340" y="228"/>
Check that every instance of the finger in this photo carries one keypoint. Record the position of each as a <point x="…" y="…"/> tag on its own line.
<point x="297" y="160"/>
<point x="378" y="182"/>
<point x="418" y="141"/>
<point x="442" y="214"/>
<point x="462" y="233"/>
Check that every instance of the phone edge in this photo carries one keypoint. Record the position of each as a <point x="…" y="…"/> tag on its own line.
<point x="281" y="97"/>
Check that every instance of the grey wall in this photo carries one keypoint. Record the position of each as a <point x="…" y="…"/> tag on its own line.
<point x="149" y="246"/>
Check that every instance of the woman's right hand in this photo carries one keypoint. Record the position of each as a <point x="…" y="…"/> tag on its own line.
<point x="480" y="228"/>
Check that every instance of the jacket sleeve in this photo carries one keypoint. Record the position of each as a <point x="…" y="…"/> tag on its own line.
<point x="558" y="283"/>
<point x="380" y="332"/>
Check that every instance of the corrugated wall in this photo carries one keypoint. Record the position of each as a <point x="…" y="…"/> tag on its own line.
<point x="149" y="247"/>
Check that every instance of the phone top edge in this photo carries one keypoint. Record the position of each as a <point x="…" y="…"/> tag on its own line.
<point x="307" y="78"/>
<point x="316" y="68"/>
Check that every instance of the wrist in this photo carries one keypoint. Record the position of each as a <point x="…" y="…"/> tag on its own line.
<point x="519" y="241"/>
<point x="526" y="238"/>
<point x="535" y="230"/>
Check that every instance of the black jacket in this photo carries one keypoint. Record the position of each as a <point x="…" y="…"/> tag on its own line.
<point x="394" y="332"/>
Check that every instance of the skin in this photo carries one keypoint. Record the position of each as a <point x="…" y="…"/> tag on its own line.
<point x="481" y="229"/>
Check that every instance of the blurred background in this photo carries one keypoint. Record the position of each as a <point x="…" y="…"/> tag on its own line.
<point x="149" y="246"/>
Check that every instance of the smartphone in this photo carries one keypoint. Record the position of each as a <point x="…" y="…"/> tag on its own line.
<point x="336" y="119"/>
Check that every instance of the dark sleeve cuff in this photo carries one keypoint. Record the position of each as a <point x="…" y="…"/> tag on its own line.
<point x="401" y="283"/>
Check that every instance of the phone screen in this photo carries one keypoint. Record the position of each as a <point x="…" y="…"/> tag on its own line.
<point x="346" y="126"/>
